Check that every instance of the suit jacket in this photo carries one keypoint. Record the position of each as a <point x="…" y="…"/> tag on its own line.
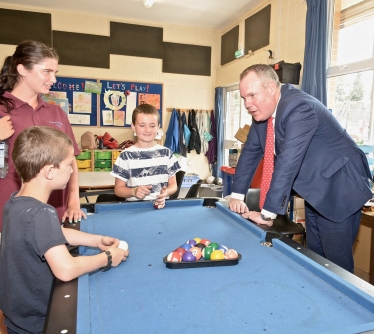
<point x="314" y="156"/>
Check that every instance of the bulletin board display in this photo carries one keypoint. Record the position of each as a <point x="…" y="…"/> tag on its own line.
<point x="76" y="98"/>
<point x="118" y="99"/>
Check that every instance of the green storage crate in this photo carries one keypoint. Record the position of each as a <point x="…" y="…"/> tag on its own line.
<point x="85" y="155"/>
<point x="103" y="169"/>
<point x="103" y="163"/>
<point x="103" y="155"/>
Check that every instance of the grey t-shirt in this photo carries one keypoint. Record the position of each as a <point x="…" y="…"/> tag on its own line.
<point x="30" y="229"/>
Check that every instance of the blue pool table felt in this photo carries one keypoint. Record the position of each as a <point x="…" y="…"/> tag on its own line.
<point x="271" y="289"/>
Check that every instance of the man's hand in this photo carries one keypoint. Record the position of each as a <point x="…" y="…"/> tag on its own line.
<point x="256" y="217"/>
<point x="237" y="206"/>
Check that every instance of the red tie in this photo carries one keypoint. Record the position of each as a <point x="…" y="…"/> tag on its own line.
<point x="268" y="162"/>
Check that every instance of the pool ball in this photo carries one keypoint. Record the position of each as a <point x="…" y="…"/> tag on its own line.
<point x="186" y="246"/>
<point x="201" y="246"/>
<point x="214" y="245"/>
<point x="223" y="248"/>
<point x="231" y="254"/>
<point x="205" y="242"/>
<point x="197" y="240"/>
<point x="196" y="251"/>
<point x="180" y="250"/>
<point x="217" y="255"/>
<point x="156" y="206"/>
<point x="191" y="242"/>
<point x="174" y="257"/>
<point x="188" y="257"/>
<point x="123" y="245"/>
<point x="206" y="252"/>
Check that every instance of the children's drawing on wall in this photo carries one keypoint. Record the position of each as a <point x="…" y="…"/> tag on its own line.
<point x="92" y="87"/>
<point x="152" y="99"/>
<point x="107" y="117"/>
<point x="82" y="102"/>
<point x="119" y="118"/>
<point x="79" y="119"/>
<point x="131" y="105"/>
<point x="114" y="99"/>
<point x="62" y="102"/>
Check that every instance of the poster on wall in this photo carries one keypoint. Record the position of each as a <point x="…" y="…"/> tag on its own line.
<point x="77" y="97"/>
<point x="118" y="99"/>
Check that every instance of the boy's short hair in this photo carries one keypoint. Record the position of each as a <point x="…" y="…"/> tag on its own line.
<point x="145" y="109"/>
<point x="38" y="146"/>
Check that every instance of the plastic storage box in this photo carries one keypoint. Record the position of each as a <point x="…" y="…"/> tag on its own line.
<point x="84" y="155"/>
<point x="103" y="155"/>
<point x="103" y="163"/>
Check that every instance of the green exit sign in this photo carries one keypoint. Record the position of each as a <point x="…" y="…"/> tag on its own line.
<point x="239" y="53"/>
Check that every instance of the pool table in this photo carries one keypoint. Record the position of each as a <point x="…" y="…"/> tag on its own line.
<point x="284" y="288"/>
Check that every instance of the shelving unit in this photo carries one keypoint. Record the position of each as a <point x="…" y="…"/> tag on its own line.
<point x="97" y="160"/>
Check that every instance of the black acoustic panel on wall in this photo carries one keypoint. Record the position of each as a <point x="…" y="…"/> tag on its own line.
<point x="135" y="40"/>
<point x="229" y="44"/>
<point x="17" y="26"/>
<point x="82" y="49"/>
<point x="186" y="59"/>
<point x="257" y="30"/>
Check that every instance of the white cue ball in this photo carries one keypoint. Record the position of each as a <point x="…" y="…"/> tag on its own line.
<point x="123" y="245"/>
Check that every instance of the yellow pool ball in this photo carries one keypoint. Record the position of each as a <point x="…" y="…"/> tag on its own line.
<point x="217" y="255"/>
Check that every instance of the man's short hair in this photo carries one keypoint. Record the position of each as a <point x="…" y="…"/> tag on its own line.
<point x="38" y="146"/>
<point x="145" y="109"/>
<point x="265" y="72"/>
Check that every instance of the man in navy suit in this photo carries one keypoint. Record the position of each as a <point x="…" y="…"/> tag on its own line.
<point x="314" y="157"/>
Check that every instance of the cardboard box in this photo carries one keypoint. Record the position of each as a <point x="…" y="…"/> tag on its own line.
<point x="242" y="133"/>
<point x="361" y="249"/>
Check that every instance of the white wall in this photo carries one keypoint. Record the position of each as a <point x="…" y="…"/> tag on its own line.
<point x="182" y="91"/>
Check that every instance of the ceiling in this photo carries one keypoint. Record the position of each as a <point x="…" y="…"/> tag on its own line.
<point x="209" y="14"/>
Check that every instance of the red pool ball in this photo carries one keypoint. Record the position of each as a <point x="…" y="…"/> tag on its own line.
<point x="181" y="251"/>
<point x="205" y="242"/>
<point x="174" y="257"/>
<point x="156" y="206"/>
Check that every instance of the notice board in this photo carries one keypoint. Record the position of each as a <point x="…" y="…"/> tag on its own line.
<point x="76" y="99"/>
<point x="97" y="102"/>
<point x="118" y="100"/>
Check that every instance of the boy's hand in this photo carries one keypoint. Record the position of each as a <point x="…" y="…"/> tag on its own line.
<point x="143" y="191"/>
<point x="160" y="199"/>
<point x="106" y="242"/>
<point x="73" y="213"/>
<point x="118" y="254"/>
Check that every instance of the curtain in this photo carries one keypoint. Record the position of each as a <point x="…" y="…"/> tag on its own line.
<point x="218" y="107"/>
<point x="315" y="56"/>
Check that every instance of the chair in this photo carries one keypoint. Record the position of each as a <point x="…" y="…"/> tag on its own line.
<point x="193" y="192"/>
<point x="179" y="176"/>
<point x="282" y="223"/>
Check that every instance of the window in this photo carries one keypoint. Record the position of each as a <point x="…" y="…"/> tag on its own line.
<point x="350" y="75"/>
<point x="235" y="117"/>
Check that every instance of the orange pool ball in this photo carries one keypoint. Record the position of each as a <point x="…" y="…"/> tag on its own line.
<point x="231" y="254"/>
<point x="196" y="251"/>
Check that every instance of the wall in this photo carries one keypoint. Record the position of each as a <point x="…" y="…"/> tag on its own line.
<point x="183" y="91"/>
<point x="179" y="91"/>
<point x="287" y="39"/>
